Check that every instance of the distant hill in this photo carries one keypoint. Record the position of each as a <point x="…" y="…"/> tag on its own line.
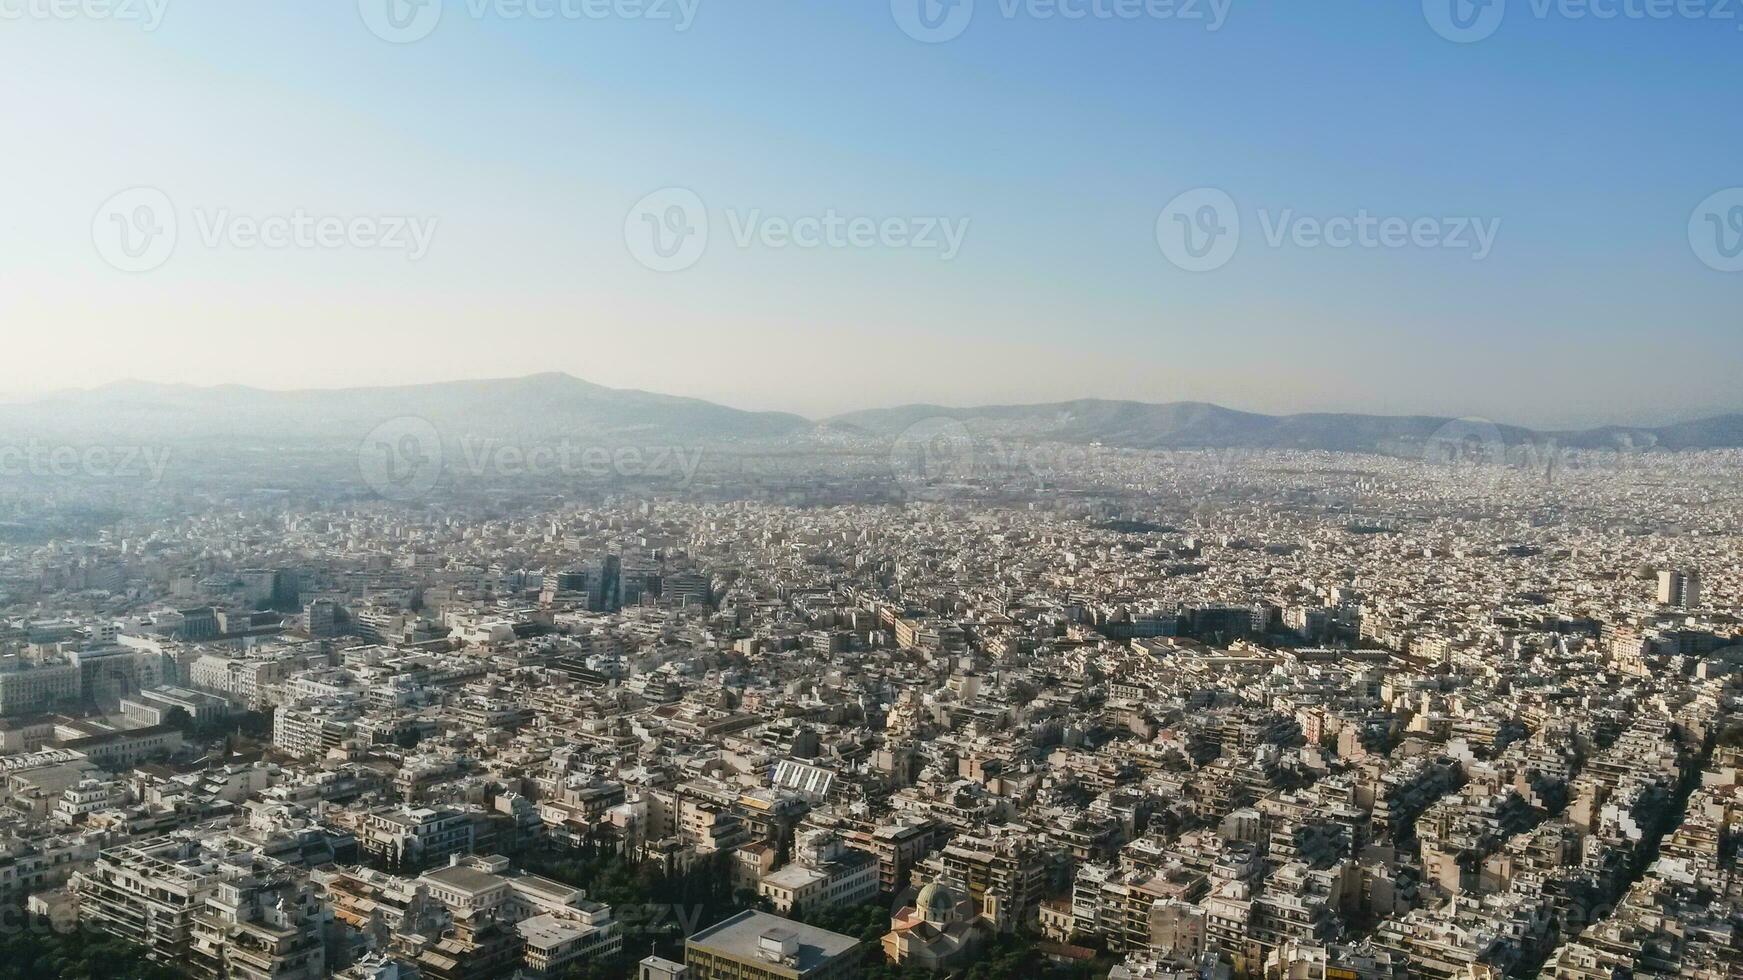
<point x="1718" y="432"/>
<point x="549" y="407"/>
<point x="1195" y="425"/>
<point x="544" y="406"/>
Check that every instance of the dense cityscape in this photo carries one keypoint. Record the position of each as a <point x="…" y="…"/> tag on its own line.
<point x="882" y="490"/>
<point x="936" y="706"/>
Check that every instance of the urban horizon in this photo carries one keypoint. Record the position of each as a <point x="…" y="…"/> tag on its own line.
<point x="904" y="490"/>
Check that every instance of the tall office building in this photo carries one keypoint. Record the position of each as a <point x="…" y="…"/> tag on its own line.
<point x="1679" y="588"/>
<point x="605" y="593"/>
<point x="258" y="585"/>
<point x="321" y="619"/>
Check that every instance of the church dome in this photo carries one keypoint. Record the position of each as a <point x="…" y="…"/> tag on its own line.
<point x="936" y="904"/>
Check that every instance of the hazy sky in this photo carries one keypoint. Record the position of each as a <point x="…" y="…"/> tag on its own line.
<point x="1050" y="146"/>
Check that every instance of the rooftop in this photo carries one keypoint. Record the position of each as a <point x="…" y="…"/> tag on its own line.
<point x="740" y="937"/>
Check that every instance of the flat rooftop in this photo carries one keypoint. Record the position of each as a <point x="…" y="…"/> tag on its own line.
<point x="462" y="878"/>
<point x="555" y="890"/>
<point x="740" y="938"/>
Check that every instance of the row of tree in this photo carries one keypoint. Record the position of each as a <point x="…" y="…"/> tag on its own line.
<point x="36" y="953"/>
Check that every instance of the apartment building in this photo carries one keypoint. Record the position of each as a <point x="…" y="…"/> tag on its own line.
<point x="262" y="925"/>
<point x="29" y="688"/>
<point x="408" y="836"/>
<point x="824" y="874"/>
<point x="148" y="893"/>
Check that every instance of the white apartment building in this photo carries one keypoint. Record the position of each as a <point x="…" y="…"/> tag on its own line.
<point x="826" y="874"/>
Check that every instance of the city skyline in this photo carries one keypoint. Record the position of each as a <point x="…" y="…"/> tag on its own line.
<point x="895" y="490"/>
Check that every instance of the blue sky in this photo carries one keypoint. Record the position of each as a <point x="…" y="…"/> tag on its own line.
<point x="1586" y="144"/>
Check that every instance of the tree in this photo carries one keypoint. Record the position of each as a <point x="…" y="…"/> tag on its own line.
<point x="179" y="719"/>
<point x="40" y="951"/>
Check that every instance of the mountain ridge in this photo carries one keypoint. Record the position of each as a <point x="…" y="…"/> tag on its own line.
<point x="1186" y="425"/>
<point x="553" y="403"/>
<point x="540" y="406"/>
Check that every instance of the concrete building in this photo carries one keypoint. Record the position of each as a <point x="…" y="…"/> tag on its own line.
<point x="30" y="688"/>
<point x="754" y="945"/>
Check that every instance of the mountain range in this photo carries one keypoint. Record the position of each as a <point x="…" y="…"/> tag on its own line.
<point x="542" y="406"/>
<point x="558" y="406"/>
